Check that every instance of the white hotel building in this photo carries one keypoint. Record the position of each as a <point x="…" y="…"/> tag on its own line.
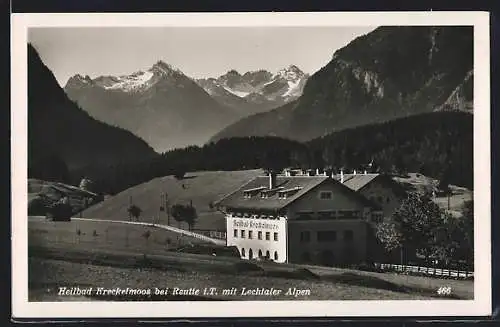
<point x="307" y="219"/>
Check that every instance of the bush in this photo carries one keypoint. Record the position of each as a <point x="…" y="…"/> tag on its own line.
<point x="179" y="174"/>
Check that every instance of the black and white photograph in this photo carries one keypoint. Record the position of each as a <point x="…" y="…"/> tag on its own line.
<point x="289" y="164"/>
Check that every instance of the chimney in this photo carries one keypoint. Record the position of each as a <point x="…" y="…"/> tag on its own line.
<point x="354" y="172"/>
<point x="317" y="171"/>
<point x="272" y="180"/>
<point x="342" y="176"/>
<point x="365" y="172"/>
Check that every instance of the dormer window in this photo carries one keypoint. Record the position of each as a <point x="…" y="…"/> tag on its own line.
<point x="283" y="194"/>
<point x="253" y="191"/>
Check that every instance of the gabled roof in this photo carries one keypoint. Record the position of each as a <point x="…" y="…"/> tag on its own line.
<point x="357" y="181"/>
<point x="75" y="189"/>
<point x="302" y="185"/>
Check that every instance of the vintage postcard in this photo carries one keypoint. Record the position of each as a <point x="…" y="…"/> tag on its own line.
<point x="289" y="164"/>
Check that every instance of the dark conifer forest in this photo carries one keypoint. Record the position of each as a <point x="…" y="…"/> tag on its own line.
<point x="434" y="144"/>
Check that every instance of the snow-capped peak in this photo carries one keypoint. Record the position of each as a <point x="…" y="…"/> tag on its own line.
<point x="162" y="68"/>
<point x="78" y="80"/>
<point x="137" y="81"/>
<point x="292" y="73"/>
<point x="233" y="72"/>
<point x="286" y="84"/>
<point x="128" y="83"/>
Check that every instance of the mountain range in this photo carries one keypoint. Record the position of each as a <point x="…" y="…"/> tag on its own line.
<point x="390" y="73"/>
<point x="60" y="133"/>
<point x="170" y="110"/>
<point x="256" y="91"/>
<point x="161" y="105"/>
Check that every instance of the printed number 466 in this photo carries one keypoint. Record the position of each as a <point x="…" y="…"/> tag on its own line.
<point x="444" y="290"/>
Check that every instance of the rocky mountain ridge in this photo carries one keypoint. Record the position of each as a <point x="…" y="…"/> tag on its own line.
<point x="257" y="91"/>
<point x="161" y="105"/>
<point x="389" y="73"/>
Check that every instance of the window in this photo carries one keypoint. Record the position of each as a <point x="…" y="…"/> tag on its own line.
<point x="250" y="254"/>
<point x="260" y="253"/>
<point x="268" y="236"/>
<point x="380" y="199"/>
<point x="348" y="235"/>
<point x="250" y="234"/>
<point x="243" y="252"/>
<point x="388" y="199"/>
<point x="275" y="255"/>
<point x="305" y="236"/>
<point x="326" y="215"/>
<point x="325" y="195"/>
<point x="377" y="217"/>
<point x="348" y="214"/>
<point x="327" y="236"/>
<point x="259" y="235"/>
<point x="242" y="233"/>
<point x="235" y="233"/>
<point x="268" y="255"/>
<point x="304" y="216"/>
<point x="275" y="236"/>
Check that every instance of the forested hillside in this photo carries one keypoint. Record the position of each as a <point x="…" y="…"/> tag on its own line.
<point x="434" y="144"/>
<point x="62" y="137"/>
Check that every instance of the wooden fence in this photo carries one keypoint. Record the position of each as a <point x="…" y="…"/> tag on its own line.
<point x="426" y="270"/>
<point x="211" y="233"/>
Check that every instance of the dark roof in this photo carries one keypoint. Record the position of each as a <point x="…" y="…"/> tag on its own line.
<point x="357" y="181"/>
<point x="301" y="185"/>
<point x="74" y="189"/>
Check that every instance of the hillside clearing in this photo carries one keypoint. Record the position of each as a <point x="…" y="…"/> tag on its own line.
<point x="201" y="188"/>
<point x="421" y="183"/>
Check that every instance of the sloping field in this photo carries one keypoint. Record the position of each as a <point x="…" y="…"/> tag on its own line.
<point x="104" y="254"/>
<point x="104" y="236"/>
<point x="421" y="183"/>
<point x="201" y="188"/>
<point x="43" y="283"/>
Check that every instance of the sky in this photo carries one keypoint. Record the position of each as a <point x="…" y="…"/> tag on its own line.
<point x="198" y="52"/>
